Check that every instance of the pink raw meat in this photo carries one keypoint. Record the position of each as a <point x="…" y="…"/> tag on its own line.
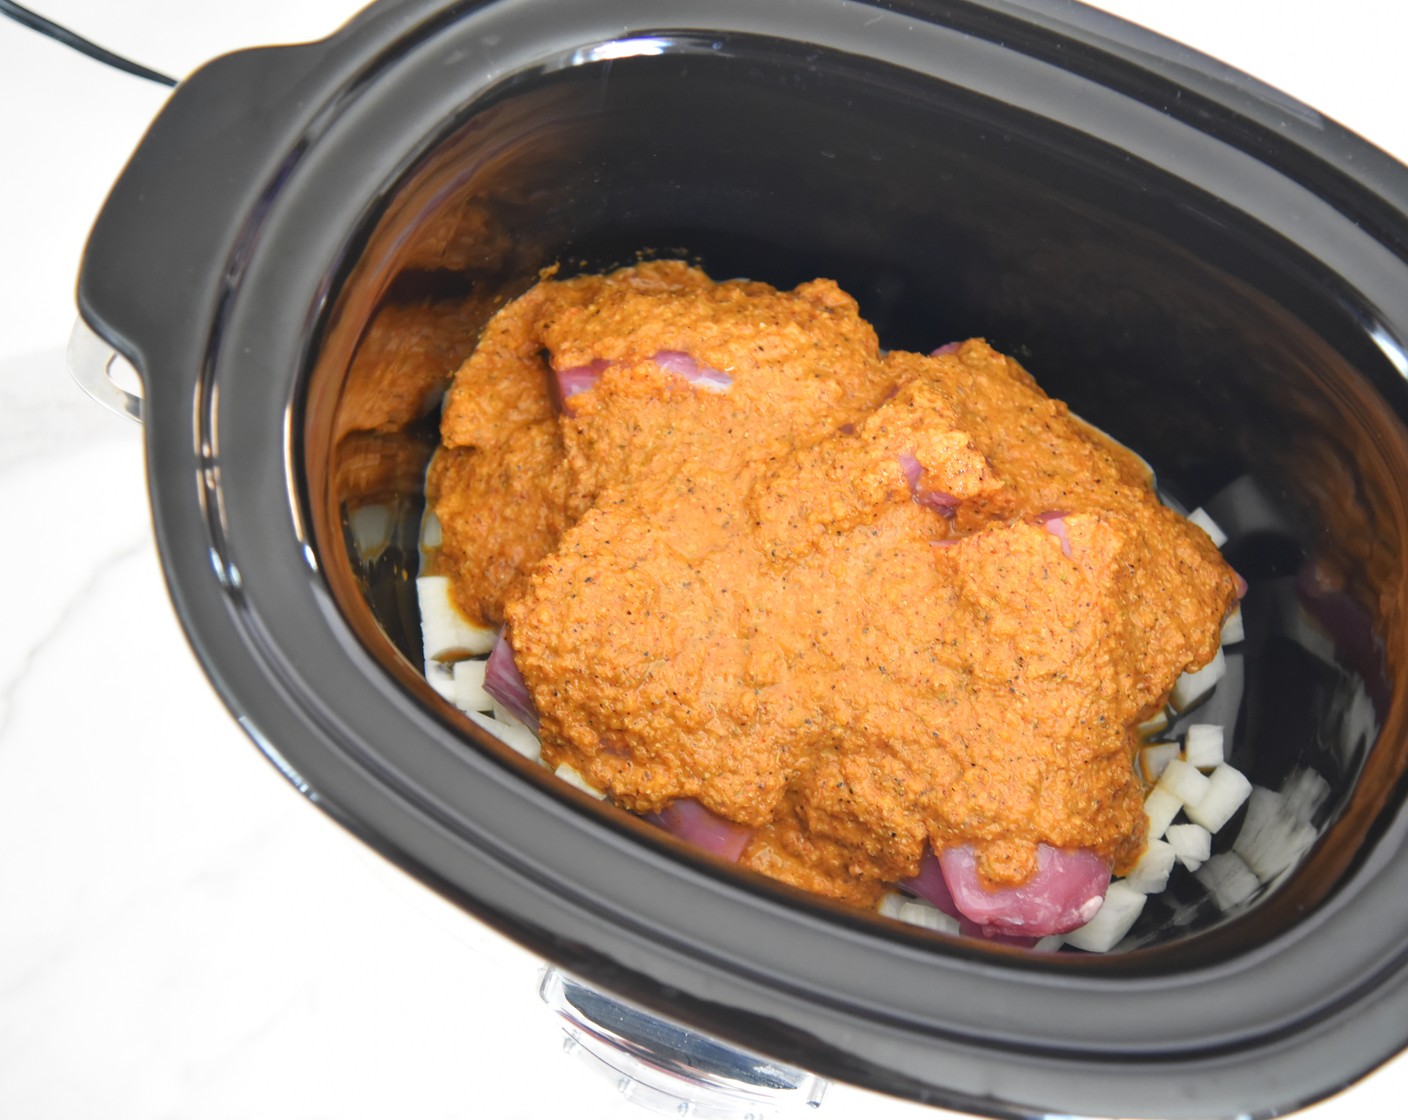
<point x="578" y="379"/>
<point x="693" y="823"/>
<point x="1054" y="522"/>
<point x="683" y="365"/>
<point x="939" y="500"/>
<point x="929" y="884"/>
<point x="1064" y="894"/>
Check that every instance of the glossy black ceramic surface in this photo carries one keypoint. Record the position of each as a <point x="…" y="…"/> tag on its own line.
<point x="1214" y="275"/>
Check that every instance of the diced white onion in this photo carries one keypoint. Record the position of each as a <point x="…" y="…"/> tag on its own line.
<point x="1233" y="629"/>
<point x="1203" y="520"/>
<point x="445" y="633"/>
<point x="1228" y="880"/>
<point x="1224" y="704"/>
<point x="1203" y="746"/>
<point x="1160" y="807"/>
<point x="440" y="676"/>
<point x="1150" y="874"/>
<point x="1194" y="686"/>
<point x="890" y="904"/>
<point x="1191" y="843"/>
<point x="431" y="535"/>
<point x="1185" y="782"/>
<point x="1227" y="789"/>
<point x="1272" y="839"/>
<point x="1154" y="725"/>
<point x="921" y="914"/>
<point x="514" y="736"/>
<point x="506" y="717"/>
<point x="1117" y="914"/>
<point x="469" y="687"/>
<point x="571" y="776"/>
<point x="1154" y="760"/>
<point x="1050" y="943"/>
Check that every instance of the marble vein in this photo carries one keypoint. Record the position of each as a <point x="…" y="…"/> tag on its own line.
<point x="106" y="569"/>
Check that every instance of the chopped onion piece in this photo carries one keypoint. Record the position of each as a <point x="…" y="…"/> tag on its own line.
<point x="573" y="778"/>
<point x="440" y="676"/>
<point x="1160" y="807"/>
<point x="446" y="635"/>
<point x="506" y="717"/>
<point x="469" y="687"/>
<point x="1191" y="843"/>
<point x="432" y="535"/>
<point x="517" y="737"/>
<point x="1154" y="725"/>
<point x="1227" y="789"/>
<point x="890" y="905"/>
<point x="921" y="914"/>
<point x="505" y="684"/>
<point x="1203" y="745"/>
<point x="1185" y="782"/>
<point x="1228" y="879"/>
<point x="1150" y="874"/>
<point x="1203" y="520"/>
<point x="1273" y="838"/>
<point x="1050" y="943"/>
<point x="1154" y="760"/>
<point x="1233" y="629"/>
<point x="692" y="822"/>
<point x="1122" y="905"/>
<point x="1224" y="705"/>
<point x="1192" y="687"/>
<point x="946" y="348"/>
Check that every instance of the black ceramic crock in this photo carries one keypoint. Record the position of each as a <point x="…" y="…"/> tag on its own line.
<point x="1211" y="272"/>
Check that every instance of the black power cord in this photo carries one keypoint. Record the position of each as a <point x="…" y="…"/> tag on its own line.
<point x="36" y="22"/>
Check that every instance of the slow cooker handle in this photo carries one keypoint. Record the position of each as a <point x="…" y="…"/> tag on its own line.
<point x="670" y="1069"/>
<point x="93" y="362"/>
<point x="170" y="238"/>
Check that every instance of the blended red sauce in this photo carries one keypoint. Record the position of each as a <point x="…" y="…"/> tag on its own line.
<point x="857" y="601"/>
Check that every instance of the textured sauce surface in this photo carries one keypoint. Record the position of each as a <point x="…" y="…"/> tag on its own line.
<point x="857" y="601"/>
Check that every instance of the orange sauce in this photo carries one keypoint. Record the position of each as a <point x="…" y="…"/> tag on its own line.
<point x="829" y="600"/>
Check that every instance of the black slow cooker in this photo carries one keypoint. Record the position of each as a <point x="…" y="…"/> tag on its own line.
<point x="1210" y="272"/>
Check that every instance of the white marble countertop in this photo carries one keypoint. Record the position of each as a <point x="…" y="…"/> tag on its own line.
<point x="181" y="934"/>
